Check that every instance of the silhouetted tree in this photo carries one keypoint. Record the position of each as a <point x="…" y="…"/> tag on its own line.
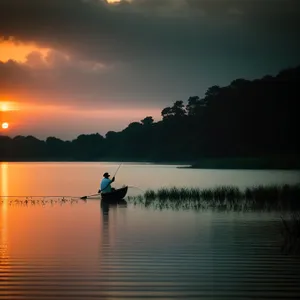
<point x="246" y="118"/>
<point x="167" y="113"/>
<point x="148" y="121"/>
<point x="195" y="106"/>
<point x="178" y="109"/>
<point x="213" y="91"/>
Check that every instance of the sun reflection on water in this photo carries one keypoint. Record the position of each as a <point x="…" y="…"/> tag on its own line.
<point x="3" y="218"/>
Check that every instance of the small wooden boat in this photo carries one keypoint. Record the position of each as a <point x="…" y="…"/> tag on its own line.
<point x="115" y="195"/>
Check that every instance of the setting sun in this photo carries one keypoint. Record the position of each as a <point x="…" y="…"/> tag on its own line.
<point x="4" y="125"/>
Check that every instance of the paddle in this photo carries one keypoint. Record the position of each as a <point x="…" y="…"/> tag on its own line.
<point x="85" y="197"/>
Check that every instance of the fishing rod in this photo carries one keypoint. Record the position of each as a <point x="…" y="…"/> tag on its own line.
<point x="118" y="169"/>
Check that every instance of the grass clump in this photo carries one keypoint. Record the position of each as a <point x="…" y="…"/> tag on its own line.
<point x="272" y="197"/>
<point x="291" y="234"/>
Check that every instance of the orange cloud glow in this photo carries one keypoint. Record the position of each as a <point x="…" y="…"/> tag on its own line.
<point x="13" y="50"/>
<point x="8" y="106"/>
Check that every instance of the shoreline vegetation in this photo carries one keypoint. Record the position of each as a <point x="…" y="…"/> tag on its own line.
<point x="248" y="124"/>
<point x="269" y="197"/>
<point x="249" y="163"/>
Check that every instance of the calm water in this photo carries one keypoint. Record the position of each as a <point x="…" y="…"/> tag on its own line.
<point x="77" y="250"/>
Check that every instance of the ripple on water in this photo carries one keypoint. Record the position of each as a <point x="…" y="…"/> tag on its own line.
<point x="133" y="254"/>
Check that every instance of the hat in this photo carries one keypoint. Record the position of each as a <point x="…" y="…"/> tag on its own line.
<point x="106" y="174"/>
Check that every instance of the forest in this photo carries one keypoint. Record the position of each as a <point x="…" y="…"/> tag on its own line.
<point x="250" y="122"/>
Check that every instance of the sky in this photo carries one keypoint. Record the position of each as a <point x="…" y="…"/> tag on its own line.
<point x="70" y="67"/>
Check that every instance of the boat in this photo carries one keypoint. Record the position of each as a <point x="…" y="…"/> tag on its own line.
<point x="115" y="195"/>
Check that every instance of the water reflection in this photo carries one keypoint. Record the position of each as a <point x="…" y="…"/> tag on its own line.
<point x="109" y="260"/>
<point x="109" y="212"/>
<point x="3" y="219"/>
<point x="105" y="206"/>
<point x="4" y="191"/>
<point x="98" y="250"/>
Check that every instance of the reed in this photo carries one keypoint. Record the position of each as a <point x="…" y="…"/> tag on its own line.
<point x="278" y="197"/>
<point x="291" y="234"/>
<point x="38" y="201"/>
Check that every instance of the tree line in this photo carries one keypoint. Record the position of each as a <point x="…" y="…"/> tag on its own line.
<point x="247" y="118"/>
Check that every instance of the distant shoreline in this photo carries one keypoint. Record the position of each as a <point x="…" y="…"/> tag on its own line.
<point x="100" y="160"/>
<point x="205" y="163"/>
<point x="251" y="163"/>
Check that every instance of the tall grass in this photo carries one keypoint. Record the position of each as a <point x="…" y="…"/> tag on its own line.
<point x="278" y="197"/>
<point x="291" y="234"/>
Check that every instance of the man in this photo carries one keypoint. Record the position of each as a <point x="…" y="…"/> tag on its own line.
<point x="105" y="186"/>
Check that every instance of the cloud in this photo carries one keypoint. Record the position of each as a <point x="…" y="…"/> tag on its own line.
<point x="144" y="52"/>
<point x="60" y="79"/>
<point x="138" y="29"/>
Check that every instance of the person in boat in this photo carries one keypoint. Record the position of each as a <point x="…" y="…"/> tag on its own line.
<point x="106" y="182"/>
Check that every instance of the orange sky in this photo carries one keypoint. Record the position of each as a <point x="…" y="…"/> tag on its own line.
<point x="9" y="110"/>
<point x="64" y="122"/>
<point x="29" y="116"/>
<point x="10" y="49"/>
<point x="44" y="121"/>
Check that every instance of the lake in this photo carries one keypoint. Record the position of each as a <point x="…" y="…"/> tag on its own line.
<point x="78" y="250"/>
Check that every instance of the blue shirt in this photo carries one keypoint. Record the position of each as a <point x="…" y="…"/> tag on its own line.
<point x="105" y="185"/>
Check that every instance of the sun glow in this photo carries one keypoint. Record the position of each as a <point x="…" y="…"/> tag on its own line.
<point x="4" y="107"/>
<point x="8" y="106"/>
<point x="5" y="125"/>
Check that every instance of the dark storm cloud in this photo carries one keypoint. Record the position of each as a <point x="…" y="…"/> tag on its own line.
<point x="99" y="31"/>
<point x="143" y="28"/>
<point x="152" y="50"/>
